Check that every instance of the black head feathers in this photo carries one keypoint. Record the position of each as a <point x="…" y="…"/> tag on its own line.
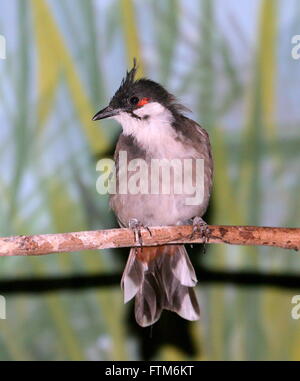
<point x="127" y="82"/>
<point x="130" y="76"/>
<point x="144" y="88"/>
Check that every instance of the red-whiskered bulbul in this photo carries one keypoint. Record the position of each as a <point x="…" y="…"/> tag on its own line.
<point x="155" y="127"/>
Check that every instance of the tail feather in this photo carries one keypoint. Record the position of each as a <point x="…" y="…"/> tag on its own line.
<point x="149" y="301"/>
<point x="185" y="303"/>
<point x="160" y="278"/>
<point x="182" y="267"/>
<point x="133" y="277"/>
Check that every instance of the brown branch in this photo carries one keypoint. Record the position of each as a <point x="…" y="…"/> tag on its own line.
<point x="287" y="238"/>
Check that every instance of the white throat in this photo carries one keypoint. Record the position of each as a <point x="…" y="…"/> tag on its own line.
<point x="154" y="130"/>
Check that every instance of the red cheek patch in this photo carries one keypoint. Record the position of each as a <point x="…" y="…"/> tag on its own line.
<point x="143" y="102"/>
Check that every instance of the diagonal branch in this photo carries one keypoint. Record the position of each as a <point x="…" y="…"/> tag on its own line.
<point x="287" y="238"/>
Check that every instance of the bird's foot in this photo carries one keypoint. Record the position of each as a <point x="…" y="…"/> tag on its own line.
<point x="136" y="226"/>
<point x="200" y="228"/>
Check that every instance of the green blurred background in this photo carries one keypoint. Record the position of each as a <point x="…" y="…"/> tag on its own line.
<point x="230" y="62"/>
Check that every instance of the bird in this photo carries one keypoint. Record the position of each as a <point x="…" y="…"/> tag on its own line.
<point x="155" y="127"/>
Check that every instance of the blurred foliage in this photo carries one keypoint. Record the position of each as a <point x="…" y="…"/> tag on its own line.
<point x="64" y="61"/>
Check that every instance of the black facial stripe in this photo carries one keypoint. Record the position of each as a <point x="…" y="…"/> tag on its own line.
<point x="134" y="115"/>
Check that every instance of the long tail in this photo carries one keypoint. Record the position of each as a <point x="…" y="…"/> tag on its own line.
<point x="160" y="278"/>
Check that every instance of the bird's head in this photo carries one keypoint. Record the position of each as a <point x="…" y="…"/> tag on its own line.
<point x="139" y="100"/>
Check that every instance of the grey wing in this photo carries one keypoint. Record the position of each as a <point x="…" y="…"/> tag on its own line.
<point x="199" y="139"/>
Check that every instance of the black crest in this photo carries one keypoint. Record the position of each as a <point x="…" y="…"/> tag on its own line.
<point x="128" y="81"/>
<point x="126" y="84"/>
<point x="141" y="88"/>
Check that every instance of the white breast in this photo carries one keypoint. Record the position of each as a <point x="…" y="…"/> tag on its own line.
<point x="154" y="132"/>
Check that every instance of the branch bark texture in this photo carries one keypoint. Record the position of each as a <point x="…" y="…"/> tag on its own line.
<point x="286" y="238"/>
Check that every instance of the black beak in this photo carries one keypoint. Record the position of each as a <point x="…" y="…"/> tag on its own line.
<point x="107" y="112"/>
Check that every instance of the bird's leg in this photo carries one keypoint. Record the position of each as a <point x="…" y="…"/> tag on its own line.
<point x="136" y="226"/>
<point x="200" y="227"/>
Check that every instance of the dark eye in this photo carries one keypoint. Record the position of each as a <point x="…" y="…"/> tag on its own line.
<point x="134" y="100"/>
